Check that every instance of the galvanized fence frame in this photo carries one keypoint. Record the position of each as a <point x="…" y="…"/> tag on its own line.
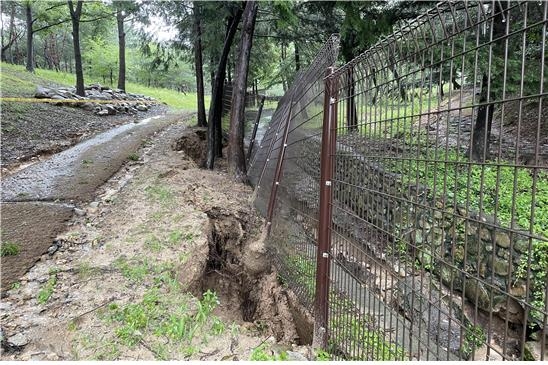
<point x="427" y="217"/>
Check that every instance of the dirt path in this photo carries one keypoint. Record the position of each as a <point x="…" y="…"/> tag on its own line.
<point x="166" y="263"/>
<point x="37" y="200"/>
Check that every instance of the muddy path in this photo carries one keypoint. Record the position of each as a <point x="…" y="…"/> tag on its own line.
<point x="38" y="200"/>
<point x="166" y="263"/>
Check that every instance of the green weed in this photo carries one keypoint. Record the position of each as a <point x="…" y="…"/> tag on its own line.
<point x="47" y="290"/>
<point x="132" y="270"/>
<point x="9" y="249"/>
<point x="159" y="193"/>
<point x="259" y="353"/>
<point x="322" y="355"/>
<point x="133" y="157"/>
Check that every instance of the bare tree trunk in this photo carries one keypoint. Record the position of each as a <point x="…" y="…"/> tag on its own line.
<point x="75" y="16"/>
<point x="479" y="146"/>
<point x="216" y="106"/>
<point x="30" y="34"/>
<point x="198" y="65"/>
<point x="236" y="155"/>
<point x="297" y="57"/>
<point x="121" y="50"/>
<point x="12" y="35"/>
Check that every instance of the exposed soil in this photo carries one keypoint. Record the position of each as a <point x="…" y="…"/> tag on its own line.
<point x="33" y="131"/>
<point x="160" y="226"/>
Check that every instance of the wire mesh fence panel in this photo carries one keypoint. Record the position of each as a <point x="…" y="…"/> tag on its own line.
<point x="285" y="171"/>
<point x="440" y="195"/>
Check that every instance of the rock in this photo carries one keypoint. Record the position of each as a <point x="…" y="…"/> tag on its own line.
<point x="502" y="240"/>
<point x="19" y="340"/>
<point x="110" y="109"/>
<point x="42" y="92"/>
<point x="295" y="356"/>
<point x="501" y="266"/>
<point x="141" y="107"/>
<point x="53" y="249"/>
<point x="79" y="212"/>
<point x="102" y="112"/>
<point x="52" y="356"/>
<point x="424" y="304"/>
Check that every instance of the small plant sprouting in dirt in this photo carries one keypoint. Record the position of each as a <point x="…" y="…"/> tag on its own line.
<point x="85" y="270"/>
<point x="154" y="243"/>
<point x="47" y="290"/>
<point x="87" y="162"/>
<point x="132" y="270"/>
<point x="16" y="285"/>
<point x="162" y="316"/>
<point x="9" y="249"/>
<point x="322" y="355"/>
<point x="159" y="193"/>
<point x="260" y="354"/>
<point x="133" y="157"/>
<point x="175" y="237"/>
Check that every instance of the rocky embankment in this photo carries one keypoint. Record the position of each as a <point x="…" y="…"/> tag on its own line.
<point x="102" y="100"/>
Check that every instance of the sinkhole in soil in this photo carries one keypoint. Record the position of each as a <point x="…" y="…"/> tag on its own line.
<point x="241" y="274"/>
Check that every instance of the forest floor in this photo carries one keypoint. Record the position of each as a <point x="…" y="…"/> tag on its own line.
<point x="166" y="262"/>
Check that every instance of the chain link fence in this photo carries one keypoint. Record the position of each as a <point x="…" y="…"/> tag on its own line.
<point x="421" y="232"/>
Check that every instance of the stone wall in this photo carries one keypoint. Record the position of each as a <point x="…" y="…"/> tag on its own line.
<point x="467" y="251"/>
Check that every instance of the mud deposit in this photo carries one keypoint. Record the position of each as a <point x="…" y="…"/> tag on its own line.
<point x="167" y="263"/>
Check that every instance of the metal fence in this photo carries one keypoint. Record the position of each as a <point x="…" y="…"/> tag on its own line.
<point x="421" y="232"/>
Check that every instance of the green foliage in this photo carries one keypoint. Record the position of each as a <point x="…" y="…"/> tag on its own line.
<point x="473" y="339"/>
<point x="357" y="331"/>
<point x="486" y="188"/>
<point x="166" y="316"/>
<point x="9" y="249"/>
<point x="303" y="272"/>
<point x="537" y="262"/>
<point x="133" y="270"/>
<point x="16" y="82"/>
<point x="133" y="157"/>
<point x="322" y="355"/>
<point x="259" y="353"/>
<point x="47" y="290"/>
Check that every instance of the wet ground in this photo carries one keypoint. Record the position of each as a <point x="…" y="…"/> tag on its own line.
<point x="37" y="200"/>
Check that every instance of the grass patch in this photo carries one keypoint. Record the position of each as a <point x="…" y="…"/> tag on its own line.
<point x="9" y="249"/>
<point x="17" y="82"/>
<point x="160" y="193"/>
<point x="134" y="270"/>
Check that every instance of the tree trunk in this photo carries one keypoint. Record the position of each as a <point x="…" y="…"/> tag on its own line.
<point x="479" y="146"/>
<point x="75" y="16"/>
<point x="297" y="57"/>
<point x="482" y="127"/>
<point x="216" y="105"/>
<point x="198" y="65"/>
<point x="12" y="35"/>
<point x="351" y="113"/>
<point x="121" y="50"/>
<point x="30" y="34"/>
<point x="236" y="155"/>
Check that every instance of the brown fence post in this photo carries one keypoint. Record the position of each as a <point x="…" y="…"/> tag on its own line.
<point x="326" y="206"/>
<point x="278" y="172"/>
<point x="255" y="127"/>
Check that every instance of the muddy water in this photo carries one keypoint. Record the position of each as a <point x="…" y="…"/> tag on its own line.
<point x="39" y="199"/>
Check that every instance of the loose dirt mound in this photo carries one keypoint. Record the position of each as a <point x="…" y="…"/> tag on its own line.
<point x="167" y="263"/>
